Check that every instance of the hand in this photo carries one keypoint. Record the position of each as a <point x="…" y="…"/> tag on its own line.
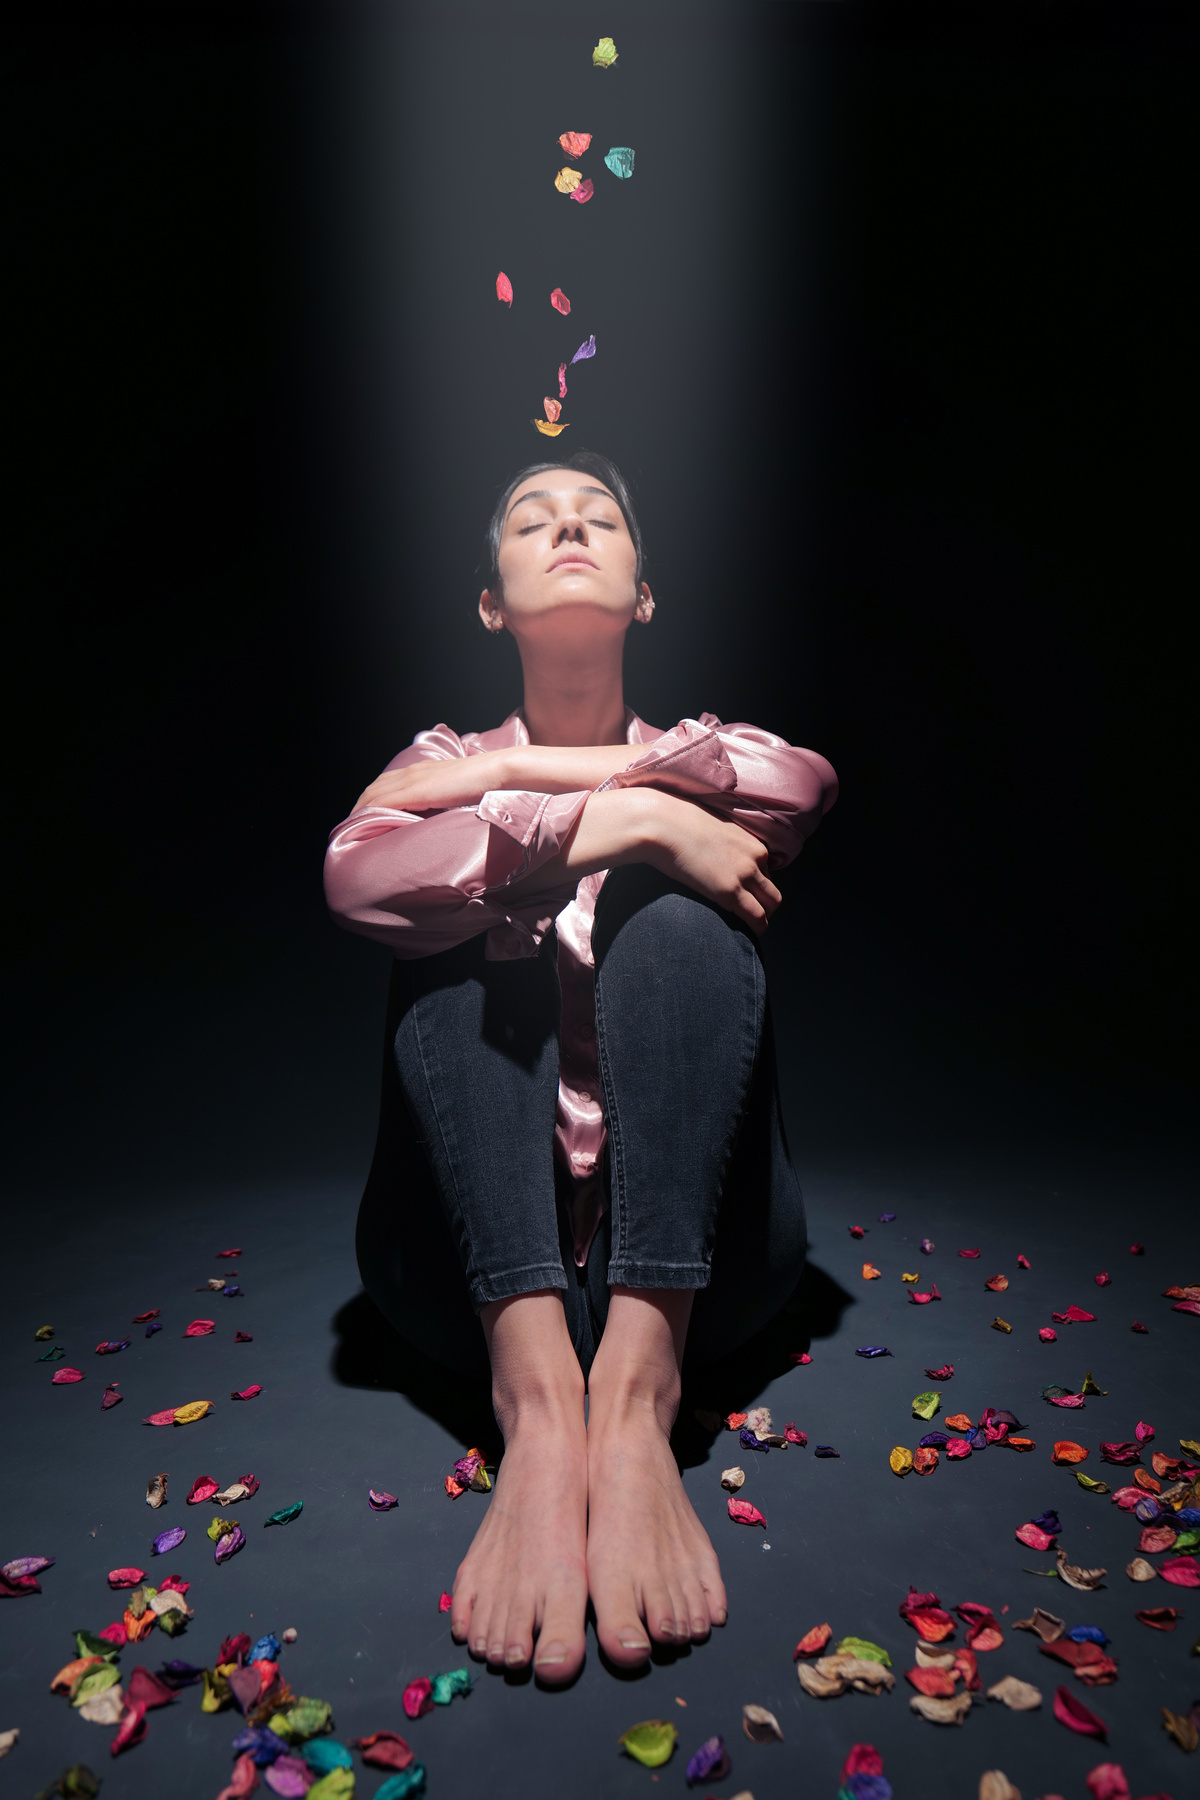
<point x="719" y="859"/>
<point x="435" y="784"/>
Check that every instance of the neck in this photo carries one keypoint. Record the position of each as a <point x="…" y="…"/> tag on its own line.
<point x="569" y="701"/>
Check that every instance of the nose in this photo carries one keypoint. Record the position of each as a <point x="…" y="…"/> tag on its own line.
<point x="571" y="530"/>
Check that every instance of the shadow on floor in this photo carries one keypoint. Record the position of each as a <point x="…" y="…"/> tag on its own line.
<point x="735" y="1383"/>
<point x="370" y="1354"/>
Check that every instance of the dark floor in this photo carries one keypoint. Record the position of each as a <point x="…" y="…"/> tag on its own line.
<point x="344" y="1408"/>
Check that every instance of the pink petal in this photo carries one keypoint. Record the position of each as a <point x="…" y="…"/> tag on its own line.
<point x="504" y="292"/>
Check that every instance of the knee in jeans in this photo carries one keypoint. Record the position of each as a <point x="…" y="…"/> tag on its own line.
<point x="660" y="920"/>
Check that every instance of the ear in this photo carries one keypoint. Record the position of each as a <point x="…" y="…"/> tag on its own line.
<point x="489" y="611"/>
<point x="643" y="612"/>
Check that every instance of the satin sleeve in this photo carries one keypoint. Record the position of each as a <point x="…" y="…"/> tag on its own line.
<point x="753" y="777"/>
<point x="424" y="882"/>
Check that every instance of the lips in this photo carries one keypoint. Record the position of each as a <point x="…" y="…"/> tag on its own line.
<point x="578" y="562"/>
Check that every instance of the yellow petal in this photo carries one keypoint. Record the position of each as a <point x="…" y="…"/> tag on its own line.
<point x="910" y="1278"/>
<point x="195" y="1409"/>
<point x="567" y="180"/>
<point x="999" y="1324"/>
<point x="547" y="429"/>
<point x="901" y="1460"/>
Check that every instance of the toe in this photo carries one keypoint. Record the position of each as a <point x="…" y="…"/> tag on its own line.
<point x="659" y="1608"/>
<point x="518" y="1633"/>
<point x="714" y="1594"/>
<point x="462" y="1609"/>
<point x="560" y="1643"/>
<point x="619" y="1628"/>
<point x="695" y="1608"/>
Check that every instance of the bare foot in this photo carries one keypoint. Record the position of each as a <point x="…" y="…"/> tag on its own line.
<point x="650" y="1564"/>
<point x="525" y="1575"/>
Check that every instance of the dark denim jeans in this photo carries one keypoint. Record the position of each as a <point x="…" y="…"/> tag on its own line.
<point x="466" y="1201"/>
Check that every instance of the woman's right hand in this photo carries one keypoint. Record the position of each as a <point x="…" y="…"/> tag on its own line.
<point x="715" y="857"/>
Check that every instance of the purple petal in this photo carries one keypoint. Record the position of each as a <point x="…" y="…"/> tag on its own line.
<point x="706" y="1761"/>
<point x="229" y="1546"/>
<point x="23" y="1566"/>
<point x="151" y="1329"/>
<point x="381" y="1502"/>
<point x="872" y="1350"/>
<point x="585" y="350"/>
<point x="750" y="1441"/>
<point x="168" y="1540"/>
<point x="927" y="1246"/>
<point x="933" y="1440"/>
<point x="826" y="1450"/>
<point x="288" y="1776"/>
<point x="886" y="1218"/>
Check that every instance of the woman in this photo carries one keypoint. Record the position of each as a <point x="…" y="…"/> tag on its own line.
<point x="580" y="1109"/>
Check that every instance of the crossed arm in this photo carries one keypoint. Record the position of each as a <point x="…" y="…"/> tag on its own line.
<point x="718" y="858"/>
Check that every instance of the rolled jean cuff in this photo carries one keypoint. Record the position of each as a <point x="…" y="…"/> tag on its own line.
<point x="658" y="1275"/>
<point x="532" y="1280"/>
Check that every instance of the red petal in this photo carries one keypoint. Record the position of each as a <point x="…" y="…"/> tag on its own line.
<point x="1075" y="1716"/>
<point x="970" y="1253"/>
<point x="201" y="1328"/>
<point x="445" y="1602"/>
<point x="1181" y="1571"/>
<point x="864" y="1759"/>
<point x="125" y="1578"/>
<point x="1035" y="1537"/>
<point x="559" y="301"/>
<point x="1104" y="1279"/>
<point x="744" y="1513"/>
<point x="132" y="1729"/>
<point x="504" y="292"/>
<point x="813" y="1642"/>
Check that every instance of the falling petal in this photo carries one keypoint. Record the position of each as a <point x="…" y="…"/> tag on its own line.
<point x="620" y="160"/>
<point x="562" y="381"/>
<point x="504" y="290"/>
<point x="549" y="430"/>
<point x="445" y="1602"/>
<point x="585" y="350"/>
<point x="583" y="193"/>
<point x="567" y="180"/>
<point x="559" y="301"/>
<point x="552" y="408"/>
<point x="574" y="143"/>
<point x="605" y="54"/>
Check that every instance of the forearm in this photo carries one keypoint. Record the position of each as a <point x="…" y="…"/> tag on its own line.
<point x="624" y="826"/>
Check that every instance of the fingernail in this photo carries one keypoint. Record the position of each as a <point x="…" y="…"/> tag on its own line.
<point x="634" y="1644"/>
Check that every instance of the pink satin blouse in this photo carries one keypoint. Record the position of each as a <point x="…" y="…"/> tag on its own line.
<point x="423" y="882"/>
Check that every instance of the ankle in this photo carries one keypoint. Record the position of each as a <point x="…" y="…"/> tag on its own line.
<point x="632" y="1395"/>
<point x="532" y="1401"/>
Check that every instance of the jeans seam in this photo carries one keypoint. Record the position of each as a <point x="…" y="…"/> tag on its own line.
<point x="415" y="1010"/>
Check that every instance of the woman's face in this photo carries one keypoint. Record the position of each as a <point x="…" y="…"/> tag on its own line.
<point x="566" y="560"/>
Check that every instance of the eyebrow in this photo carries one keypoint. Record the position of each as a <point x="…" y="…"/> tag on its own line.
<point x="547" y="494"/>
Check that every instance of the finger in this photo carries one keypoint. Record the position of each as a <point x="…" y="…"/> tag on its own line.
<point x="766" y="892"/>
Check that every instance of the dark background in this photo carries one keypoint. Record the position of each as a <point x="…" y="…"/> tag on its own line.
<point x="895" y="328"/>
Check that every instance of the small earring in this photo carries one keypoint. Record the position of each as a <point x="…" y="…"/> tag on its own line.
<point x="495" y="622"/>
<point x="645" y="610"/>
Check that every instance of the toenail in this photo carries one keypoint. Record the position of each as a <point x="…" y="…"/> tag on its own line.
<point x="546" y="1658"/>
<point x="667" y="1628"/>
<point x="515" y="1655"/>
<point x="634" y="1644"/>
<point x="495" y="1652"/>
<point x="480" y="1646"/>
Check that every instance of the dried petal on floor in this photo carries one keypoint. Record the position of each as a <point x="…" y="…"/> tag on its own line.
<point x="1104" y="1279"/>
<point x="743" y="1513"/>
<point x="1023" y="1262"/>
<point x="156" y="1491"/>
<point x="1065" y="1451"/>
<point x="915" y="1299"/>
<point x="1182" y="1727"/>
<point x="250" y="1393"/>
<point x="995" y="1785"/>
<point x="384" y="1750"/>
<point x="651" y="1742"/>
<point x="1092" y="1486"/>
<point x="1075" y="1715"/>
<point x="937" y="1683"/>
<point x="125" y="1578"/>
<point x="999" y="1324"/>
<point x="872" y="1350"/>
<point x="732" y="1479"/>
<point x="229" y="1545"/>
<point x="858" y="1231"/>
<point x="1181" y="1571"/>
<point x="924" y="1613"/>
<point x="1159" y="1618"/>
<point x="1033" y="1536"/>
<point x="942" y="1712"/>
<point x="195" y="1409"/>
<point x="910" y="1278"/>
<point x="111" y="1346"/>
<point x="1122" y="1453"/>
<point x="1018" y="1696"/>
<point x="242" y="1337"/>
<point x="1141" y="1570"/>
<point x="1047" y="1336"/>
<point x="925" y="1460"/>
<point x="201" y="1328"/>
<point x="794" y="1435"/>
<point x="735" y="1420"/>
<point x="942" y="1374"/>
<point x="825" y="1450"/>
<point x="924" y="1406"/>
<point x="1074" y="1315"/>
<point x="167" y="1541"/>
<point x="379" y="1501"/>
<point x="709" y="1763"/>
<point x="927" y="1246"/>
<point x="504" y="289"/>
<point x="203" y="1488"/>
<point x="900" y="1461"/>
<point x="418" y="1697"/>
<point x="1086" y="1580"/>
<point x="813" y="1642"/>
<point x="286" y="1514"/>
<point x="760" y="1726"/>
<point x="997" y="1283"/>
<point x="65" y="1377"/>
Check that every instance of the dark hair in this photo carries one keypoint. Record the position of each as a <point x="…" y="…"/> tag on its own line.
<point x="587" y="462"/>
